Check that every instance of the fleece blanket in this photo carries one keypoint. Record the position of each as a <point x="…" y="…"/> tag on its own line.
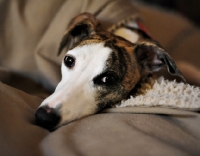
<point x="30" y="33"/>
<point x="165" y="93"/>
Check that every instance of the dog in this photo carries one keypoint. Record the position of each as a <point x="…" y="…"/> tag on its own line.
<point x="99" y="70"/>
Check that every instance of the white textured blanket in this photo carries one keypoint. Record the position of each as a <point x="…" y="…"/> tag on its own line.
<point x="166" y="93"/>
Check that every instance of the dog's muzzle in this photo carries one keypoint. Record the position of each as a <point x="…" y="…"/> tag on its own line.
<point x="47" y="117"/>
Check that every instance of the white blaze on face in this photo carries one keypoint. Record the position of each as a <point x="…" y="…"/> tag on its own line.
<point x="76" y="92"/>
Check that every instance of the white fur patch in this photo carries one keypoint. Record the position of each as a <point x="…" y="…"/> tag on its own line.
<point x="76" y="92"/>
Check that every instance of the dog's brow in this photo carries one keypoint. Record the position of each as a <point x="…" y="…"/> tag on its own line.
<point x="89" y="48"/>
<point x="117" y="59"/>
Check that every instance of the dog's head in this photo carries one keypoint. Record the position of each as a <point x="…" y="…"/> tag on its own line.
<point x="98" y="70"/>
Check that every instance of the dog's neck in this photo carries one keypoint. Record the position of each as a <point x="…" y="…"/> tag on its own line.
<point x="142" y="86"/>
<point x="127" y="34"/>
<point x="145" y="85"/>
<point x="132" y="29"/>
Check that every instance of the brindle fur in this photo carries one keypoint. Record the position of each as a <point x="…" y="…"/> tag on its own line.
<point x="124" y="61"/>
<point x="130" y="63"/>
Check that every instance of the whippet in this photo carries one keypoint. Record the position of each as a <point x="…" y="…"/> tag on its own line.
<point x="99" y="70"/>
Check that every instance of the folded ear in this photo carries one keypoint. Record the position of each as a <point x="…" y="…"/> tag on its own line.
<point x="152" y="58"/>
<point x="81" y="26"/>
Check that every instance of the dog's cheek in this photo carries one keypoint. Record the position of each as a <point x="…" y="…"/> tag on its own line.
<point x="83" y="104"/>
<point x="107" y="97"/>
<point x="76" y="112"/>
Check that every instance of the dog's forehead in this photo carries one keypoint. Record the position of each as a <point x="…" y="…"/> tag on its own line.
<point x="117" y="54"/>
<point x="95" y="53"/>
<point x="89" y="58"/>
<point x="120" y="59"/>
<point x="109" y="40"/>
<point x="121" y="52"/>
<point x="121" y="56"/>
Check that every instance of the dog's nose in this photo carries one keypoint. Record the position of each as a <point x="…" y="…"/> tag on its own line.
<point x="47" y="117"/>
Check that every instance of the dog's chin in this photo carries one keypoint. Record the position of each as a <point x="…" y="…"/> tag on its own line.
<point x="54" y="118"/>
<point x="59" y="126"/>
<point x="65" y="123"/>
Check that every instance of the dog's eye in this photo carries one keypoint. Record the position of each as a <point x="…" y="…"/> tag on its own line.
<point x="106" y="79"/>
<point x="109" y="79"/>
<point x="69" y="61"/>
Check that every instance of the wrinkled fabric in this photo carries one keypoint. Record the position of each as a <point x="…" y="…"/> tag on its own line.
<point x="117" y="132"/>
<point x="30" y="33"/>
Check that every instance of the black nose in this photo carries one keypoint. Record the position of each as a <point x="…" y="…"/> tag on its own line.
<point x="47" y="117"/>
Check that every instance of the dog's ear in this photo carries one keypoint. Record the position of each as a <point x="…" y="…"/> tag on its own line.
<point x="152" y="58"/>
<point x="83" y="25"/>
